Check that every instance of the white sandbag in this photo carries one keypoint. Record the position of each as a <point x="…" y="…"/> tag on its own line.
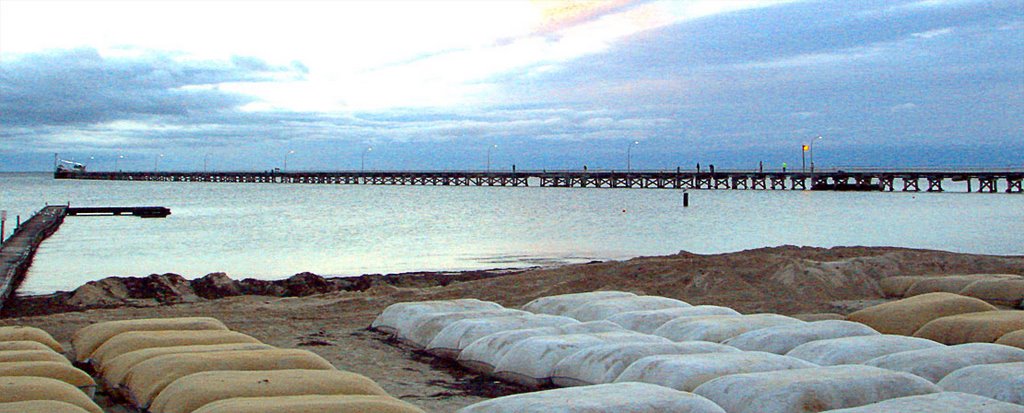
<point x="531" y="362"/>
<point x="147" y="379"/>
<point x="1004" y="381"/>
<point x="311" y="404"/>
<point x="114" y="371"/>
<point x="23" y="345"/>
<point x="396" y="317"/>
<point x="943" y="402"/>
<point x="601" y="398"/>
<point x="89" y="338"/>
<point x="685" y="372"/>
<point x="606" y="307"/>
<point x="937" y="362"/>
<point x="40" y="406"/>
<point x="23" y="333"/>
<point x="54" y="370"/>
<point x="811" y="390"/>
<point x="856" y="350"/>
<point x="460" y="334"/>
<point x="140" y="340"/>
<point x="647" y="321"/>
<point x="423" y="330"/>
<point x="17" y="389"/>
<point x="718" y="329"/>
<point x="191" y="392"/>
<point x="603" y="363"/>
<point x="782" y="339"/>
<point x="10" y="356"/>
<point x="483" y="354"/>
<point x="563" y="304"/>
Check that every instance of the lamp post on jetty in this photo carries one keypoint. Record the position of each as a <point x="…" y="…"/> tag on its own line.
<point x="489" y="157"/>
<point x="811" y="148"/>
<point x="156" y="163"/>
<point x="629" y="155"/>
<point x="286" y="159"/>
<point x="362" y="159"/>
<point x="117" y="163"/>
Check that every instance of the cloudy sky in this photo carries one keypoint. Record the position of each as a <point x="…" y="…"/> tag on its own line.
<point x="541" y="84"/>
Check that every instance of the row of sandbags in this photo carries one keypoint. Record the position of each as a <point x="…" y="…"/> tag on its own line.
<point x="196" y="364"/>
<point x="527" y="349"/>
<point x="1002" y="289"/>
<point x="947" y="318"/>
<point x="36" y="377"/>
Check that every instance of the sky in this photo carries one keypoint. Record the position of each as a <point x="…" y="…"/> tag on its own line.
<point x="428" y="85"/>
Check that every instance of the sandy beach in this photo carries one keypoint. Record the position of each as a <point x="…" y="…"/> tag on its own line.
<point x="786" y="280"/>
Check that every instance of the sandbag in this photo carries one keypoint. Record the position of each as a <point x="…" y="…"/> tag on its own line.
<point x="646" y="321"/>
<point x="937" y="362"/>
<point x="396" y="317"/>
<point x="54" y="370"/>
<point x="603" y="363"/>
<point x="114" y="371"/>
<point x="606" y="307"/>
<point x="23" y="345"/>
<point x="952" y="283"/>
<point x="720" y="329"/>
<point x="906" y="316"/>
<point x="22" y="333"/>
<point x="191" y="392"/>
<point x="11" y="356"/>
<point x="782" y="339"/>
<point x="563" y="304"/>
<point x="1013" y="338"/>
<point x="811" y="390"/>
<point x="450" y="341"/>
<point x="1009" y="292"/>
<point x="140" y="340"/>
<point x="89" y="338"/>
<point x="818" y="316"/>
<point x="856" y="350"/>
<point x="601" y="398"/>
<point x="147" y="379"/>
<point x="1004" y="381"/>
<point x="943" y="402"/>
<point x="898" y="286"/>
<point x="311" y="404"/>
<point x="423" y="330"/>
<point x="531" y="362"/>
<point x="483" y="354"/>
<point x="16" y="389"/>
<point x="40" y="406"/>
<point x="984" y="327"/>
<point x="685" y="372"/>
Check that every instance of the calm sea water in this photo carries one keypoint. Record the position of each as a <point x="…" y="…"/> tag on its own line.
<point x="272" y="231"/>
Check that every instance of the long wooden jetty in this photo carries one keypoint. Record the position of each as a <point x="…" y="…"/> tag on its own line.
<point x="909" y="180"/>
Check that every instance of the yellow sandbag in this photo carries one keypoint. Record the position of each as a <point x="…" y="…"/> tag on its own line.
<point x="40" y="406"/>
<point x="191" y="392"/>
<point x="114" y="370"/>
<point x="54" y="370"/>
<point x="1008" y="292"/>
<point x="909" y="314"/>
<point x="16" y="389"/>
<point x="139" y="340"/>
<point x="898" y="286"/>
<point x="11" y="356"/>
<point x="20" y="333"/>
<point x="311" y="404"/>
<point x="89" y="338"/>
<point x="952" y="283"/>
<point x="1013" y="338"/>
<point x="147" y="379"/>
<point x="23" y="345"/>
<point x="985" y="327"/>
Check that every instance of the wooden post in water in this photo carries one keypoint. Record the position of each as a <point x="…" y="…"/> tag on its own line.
<point x="686" y="199"/>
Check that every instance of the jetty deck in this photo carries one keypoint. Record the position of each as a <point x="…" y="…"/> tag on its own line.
<point x="907" y="180"/>
<point x="17" y="251"/>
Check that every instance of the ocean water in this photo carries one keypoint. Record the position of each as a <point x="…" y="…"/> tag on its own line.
<point x="272" y="231"/>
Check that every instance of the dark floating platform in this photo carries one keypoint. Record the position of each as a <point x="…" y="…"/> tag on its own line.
<point x="142" y="212"/>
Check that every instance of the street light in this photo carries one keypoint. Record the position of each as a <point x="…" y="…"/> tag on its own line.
<point x="811" y="147"/>
<point x="629" y="155"/>
<point x="206" y="161"/>
<point x="117" y="162"/>
<point x="156" y="163"/>
<point x="362" y="159"/>
<point x="286" y="160"/>
<point x="489" y="156"/>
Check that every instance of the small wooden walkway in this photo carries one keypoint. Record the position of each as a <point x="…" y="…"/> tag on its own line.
<point x="16" y="253"/>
